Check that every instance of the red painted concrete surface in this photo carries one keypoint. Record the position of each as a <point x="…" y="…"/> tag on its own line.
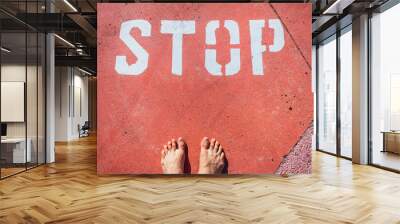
<point x="257" y="119"/>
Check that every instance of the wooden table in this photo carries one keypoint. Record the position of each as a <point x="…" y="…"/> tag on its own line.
<point x="16" y="147"/>
<point x="391" y="141"/>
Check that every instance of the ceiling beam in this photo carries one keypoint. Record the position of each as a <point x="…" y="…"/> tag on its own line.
<point x="90" y="31"/>
<point x="337" y="7"/>
<point x="81" y="61"/>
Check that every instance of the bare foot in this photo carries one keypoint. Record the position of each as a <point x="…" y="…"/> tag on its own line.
<point x="212" y="157"/>
<point x="173" y="157"/>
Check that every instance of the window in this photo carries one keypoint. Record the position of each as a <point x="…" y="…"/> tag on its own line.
<point x="346" y="95"/>
<point x="22" y="88"/>
<point x="385" y="89"/>
<point x="327" y="95"/>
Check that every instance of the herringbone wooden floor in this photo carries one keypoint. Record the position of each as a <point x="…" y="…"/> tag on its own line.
<point x="69" y="191"/>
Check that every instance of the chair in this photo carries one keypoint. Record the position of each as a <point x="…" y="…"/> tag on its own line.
<point x="84" y="130"/>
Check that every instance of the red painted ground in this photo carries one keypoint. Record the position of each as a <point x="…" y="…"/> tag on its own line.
<point x="257" y="119"/>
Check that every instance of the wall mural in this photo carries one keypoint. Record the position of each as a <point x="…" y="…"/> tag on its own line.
<point x="205" y="88"/>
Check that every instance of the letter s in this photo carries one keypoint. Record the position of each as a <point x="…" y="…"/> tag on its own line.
<point x="121" y="64"/>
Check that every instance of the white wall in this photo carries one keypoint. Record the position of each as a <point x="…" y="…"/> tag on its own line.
<point x="12" y="73"/>
<point x="61" y="103"/>
<point x="71" y="93"/>
<point x="81" y="84"/>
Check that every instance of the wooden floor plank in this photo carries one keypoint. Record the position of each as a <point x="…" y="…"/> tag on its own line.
<point x="69" y="191"/>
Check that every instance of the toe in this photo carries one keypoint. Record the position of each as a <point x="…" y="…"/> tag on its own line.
<point x="169" y="145"/>
<point x="205" y="143"/>
<point x="216" y="146"/>
<point x="222" y="155"/>
<point x="181" y="143"/>
<point x="219" y="151"/>
<point x="174" y="144"/>
<point x="212" y="144"/>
